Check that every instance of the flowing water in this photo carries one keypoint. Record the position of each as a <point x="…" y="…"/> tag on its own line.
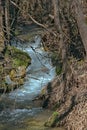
<point x="17" y="110"/>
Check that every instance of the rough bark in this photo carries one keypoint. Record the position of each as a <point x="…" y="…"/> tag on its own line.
<point x="13" y="15"/>
<point x="56" y="14"/>
<point x="9" y="19"/>
<point x="1" y="32"/>
<point x="81" y="23"/>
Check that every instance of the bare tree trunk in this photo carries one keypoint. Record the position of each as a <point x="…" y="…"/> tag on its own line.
<point x="13" y="13"/>
<point x="6" y="20"/>
<point x="63" y="46"/>
<point x="1" y="31"/>
<point x="56" y="14"/>
<point x="9" y="18"/>
<point x="81" y="23"/>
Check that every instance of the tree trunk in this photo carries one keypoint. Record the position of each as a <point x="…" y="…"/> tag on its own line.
<point x="56" y="14"/>
<point x="82" y="26"/>
<point x="1" y="32"/>
<point x="13" y="13"/>
<point x="5" y="20"/>
<point x="9" y="19"/>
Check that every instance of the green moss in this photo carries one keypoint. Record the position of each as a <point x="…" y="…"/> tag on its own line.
<point x="52" y="120"/>
<point x="59" y="69"/>
<point x="55" y="113"/>
<point x="15" y="62"/>
<point x="56" y="60"/>
<point x="43" y="91"/>
<point x="19" y="58"/>
<point x="20" y="62"/>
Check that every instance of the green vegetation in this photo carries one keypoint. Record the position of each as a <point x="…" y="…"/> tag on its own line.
<point x="52" y="120"/>
<point x="19" y="58"/>
<point x="59" y="69"/>
<point x="55" y="113"/>
<point x="56" y="60"/>
<point x="14" y="70"/>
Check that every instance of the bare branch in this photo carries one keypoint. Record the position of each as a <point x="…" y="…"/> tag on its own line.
<point x="41" y="25"/>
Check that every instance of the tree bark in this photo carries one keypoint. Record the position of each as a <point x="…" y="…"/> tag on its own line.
<point x="1" y="32"/>
<point x="9" y="19"/>
<point x="13" y="13"/>
<point x="82" y="26"/>
<point x="56" y="14"/>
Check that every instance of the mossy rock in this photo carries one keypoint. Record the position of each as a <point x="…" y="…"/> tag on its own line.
<point x="19" y="58"/>
<point x="52" y="120"/>
<point x="21" y="81"/>
<point x="15" y="64"/>
<point x="18" y="75"/>
<point x="12" y="74"/>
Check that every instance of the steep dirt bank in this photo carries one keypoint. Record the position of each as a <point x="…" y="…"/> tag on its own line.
<point x="70" y="102"/>
<point x="66" y="96"/>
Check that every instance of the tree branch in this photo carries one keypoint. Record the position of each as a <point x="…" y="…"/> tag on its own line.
<point x="36" y="22"/>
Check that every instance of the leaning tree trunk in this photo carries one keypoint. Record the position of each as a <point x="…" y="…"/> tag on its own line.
<point x="63" y="45"/>
<point x="56" y="14"/>
<point x="82" y="26"/>
<point x="1" y="32"/>
<point x="13" y="13"/>
<point x="5" y="19"/>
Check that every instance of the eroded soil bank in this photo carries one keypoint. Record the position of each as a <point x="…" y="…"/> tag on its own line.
<point x="68" y="100"/>
<point x="66" y="96"/>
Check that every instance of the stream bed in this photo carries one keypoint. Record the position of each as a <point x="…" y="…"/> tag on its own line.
<point x="17" y="110"/>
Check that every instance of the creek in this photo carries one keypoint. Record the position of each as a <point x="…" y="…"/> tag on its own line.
<point x="17" y="110"/>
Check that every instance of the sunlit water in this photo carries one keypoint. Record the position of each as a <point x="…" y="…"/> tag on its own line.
<point x="17" y="111"/>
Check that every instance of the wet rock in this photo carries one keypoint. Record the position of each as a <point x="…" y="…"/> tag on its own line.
<point x="21" y="71"/>
<point x="12" y="74"/>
